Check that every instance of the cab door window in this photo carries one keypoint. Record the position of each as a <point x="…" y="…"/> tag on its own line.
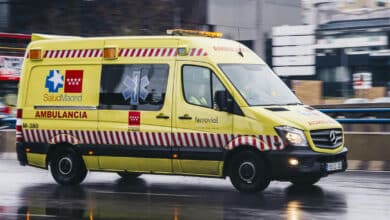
<point x="199" y="86"/>
<point x="133" y="86"/>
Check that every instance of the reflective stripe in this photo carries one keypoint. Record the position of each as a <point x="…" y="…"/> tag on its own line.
<point x="179" y="139"/>
<point x="75" y="53"/>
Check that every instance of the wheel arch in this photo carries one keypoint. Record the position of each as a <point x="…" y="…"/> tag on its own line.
<point x="231" y="153"/>
<point x="258" y="144"/>
<point x="61" y="141"/>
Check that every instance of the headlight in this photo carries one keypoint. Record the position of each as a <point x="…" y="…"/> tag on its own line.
<point x="292" y="136"/>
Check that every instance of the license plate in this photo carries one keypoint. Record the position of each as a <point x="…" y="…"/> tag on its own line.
<point x="334" y="166"/>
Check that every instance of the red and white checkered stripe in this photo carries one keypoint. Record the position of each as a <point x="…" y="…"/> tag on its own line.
<point x="158" y="52"/>
<point x="19" y="136"/>
<point x="19" y="127"/>
<point x="123" y="52"/>
<point x="147" y="52"/>
<point x="261" y="142"/>
<point x="180" y="139"/>
<point x="81" y="53"/>
<point x="64" y="138"/>
<point x="197" y="52"/>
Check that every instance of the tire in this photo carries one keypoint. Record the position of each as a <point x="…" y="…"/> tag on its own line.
<point x="248" y="173"/>
<point x="67" y="167"/>
<point x="129" y="175"/>
<point x="308" y="181"/>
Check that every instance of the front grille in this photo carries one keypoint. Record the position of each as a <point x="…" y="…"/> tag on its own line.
<point x="329" y="138"/>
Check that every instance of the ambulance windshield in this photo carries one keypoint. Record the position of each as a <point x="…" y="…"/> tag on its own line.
<point x="259" y="85"/>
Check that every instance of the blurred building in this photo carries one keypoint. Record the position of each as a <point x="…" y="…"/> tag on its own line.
<point x="349" y="47"/>
<point x="351" y="38"/>
<point x="336" y="10"/>
<point x="322" y="11"/>
<point x="102" y="17"/>
<point x="293" y="50"/>
<point x="308" y="12"/>
<point x="251" y="21"/>
<point x="3" y="15"/>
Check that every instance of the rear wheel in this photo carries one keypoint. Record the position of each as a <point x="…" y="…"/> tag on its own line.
<point x="67" y="167"/>
<point x="248" y="173"/>
<point x="308" y="181"/>
<point x="129" y="175"/>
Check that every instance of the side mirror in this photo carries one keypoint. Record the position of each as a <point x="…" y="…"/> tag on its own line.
<point x="223" y="101"/>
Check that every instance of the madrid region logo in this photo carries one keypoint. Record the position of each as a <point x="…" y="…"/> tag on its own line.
<point x="73" y="82"/>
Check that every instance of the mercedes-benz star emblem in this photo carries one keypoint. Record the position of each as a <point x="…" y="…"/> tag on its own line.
<point x="332" y="137"/>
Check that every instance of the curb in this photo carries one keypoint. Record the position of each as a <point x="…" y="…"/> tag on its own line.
<point x="371" y="165"/>
<point x="8" y="156"/>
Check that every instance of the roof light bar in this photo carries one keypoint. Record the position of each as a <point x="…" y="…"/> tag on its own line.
<point x="184" y="32"/>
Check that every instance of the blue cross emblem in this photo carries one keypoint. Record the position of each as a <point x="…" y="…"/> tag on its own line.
<point x="54" y="81"/>
<point x="135" y="88"/>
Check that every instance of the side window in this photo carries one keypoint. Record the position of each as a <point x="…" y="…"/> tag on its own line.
<point x="133" y="86"/>
<point x="199" y="85"/>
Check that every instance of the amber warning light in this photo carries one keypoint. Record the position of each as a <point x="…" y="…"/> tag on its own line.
<point x="35" y="54"/>
<point x="110" y="53"/>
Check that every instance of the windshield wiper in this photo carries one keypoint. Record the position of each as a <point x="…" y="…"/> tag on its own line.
<point x="294" y="103"/>
<point x="267" y="105"/>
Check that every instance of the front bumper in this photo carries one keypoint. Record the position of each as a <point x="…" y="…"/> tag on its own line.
<point x="311" y="164"/>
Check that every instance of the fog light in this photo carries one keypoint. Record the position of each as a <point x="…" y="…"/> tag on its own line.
<point x="293" y="161"/>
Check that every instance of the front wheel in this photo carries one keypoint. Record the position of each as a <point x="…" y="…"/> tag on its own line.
<point x="248" y="172"/>
<point x="67" y="167"/>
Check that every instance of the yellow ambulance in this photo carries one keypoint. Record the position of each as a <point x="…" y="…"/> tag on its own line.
<point x="190" y="103"/>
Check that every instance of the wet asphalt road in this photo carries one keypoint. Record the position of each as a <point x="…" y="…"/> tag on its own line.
<point x="31" y="193"/>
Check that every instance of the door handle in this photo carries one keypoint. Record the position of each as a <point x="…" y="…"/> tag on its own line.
<point x="162" y="116"/>
<point x="185" y="117"/>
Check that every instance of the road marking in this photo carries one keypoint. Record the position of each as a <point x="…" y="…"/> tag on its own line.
<point x="31" y="215"/>
<point x="148" y="193"/>
<point x="372" y="165"/>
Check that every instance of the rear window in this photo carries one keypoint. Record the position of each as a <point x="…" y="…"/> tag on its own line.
<point x="133" y="86"/>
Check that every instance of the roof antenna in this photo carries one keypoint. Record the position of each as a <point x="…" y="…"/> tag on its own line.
<point x="239" y="46"/>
